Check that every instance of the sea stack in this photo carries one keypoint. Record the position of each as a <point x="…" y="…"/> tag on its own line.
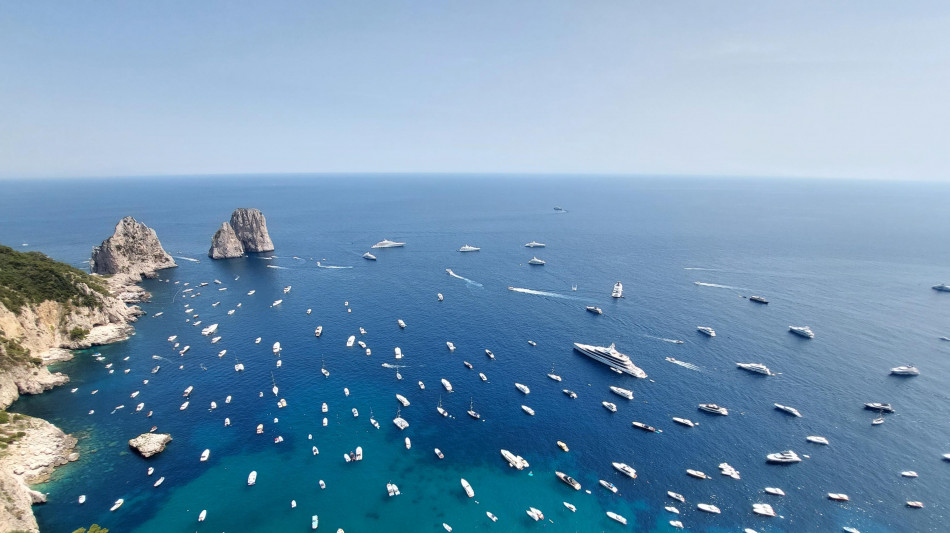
<point x="149" y="444"/>
<point x="133" y="249"/>
<point x="246" y="232"/>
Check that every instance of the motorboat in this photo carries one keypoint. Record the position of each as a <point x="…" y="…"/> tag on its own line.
<point x="728" y="470"/>
<point x="908" y="370"/>
<point x="803" y="331"/>
<point x="756" y="368"/>
<point x="422" y="386"/>
<point x="438" y="453"/>
<point x="523" y="388"/>
<point x="369" y="256"/>
<point x="317" y="332"/>
<point x="943" y="287"/>
<point x="324" y="408"/>
<point x="697" y="474"/>
<point x="774" y="491"/>
<point x="118" y="503"/>
<point x="252" y="477"/>
<point x="467" y="365"/>
<point x="568" y="480"/>
<point x="536" y="514"/>
<point x="469" y="248"/>
<point x="527" y="409"/>
<point x="401" y="323"/>
<point x="276" y="303"/>
<point x="706" y="330"/>
<point x="392" y="489"/>
<point x="210" y="330"/>
<point x="684" y="421"/>
<point x="402" y="399"/>
<point x="202" y="515"/>
<point x="786" y="457"/>
<point x="608" y="485"/>
<point x="536" y="261"/>
<point x="446" y="384"/>
<point x="444" y="526"/>
<point x="790" y="410"/>
<point x="676" y="496"/>
<point x="915" y="505"/>
<point x="677" y="524"/>
<point x="386" y="243"/>
<point x="610" y="406"/>
<point x="909" y="473"/>
<point x="351" y="341"/>
<point x="618" y="290"/>
<point x="489" y="353"/>
<point x="626" y="393"/>
<point x="617" y="517"/>
<point x="611" y="357"/>
<point x="82" y="499"/>
<point x="708" y="507"/>
<point x="562" y="446"/>
<point x="398" y="352"/>
<point x="516" y="461"/>
<point x="763" y="509"/>
<point x="626" y="470"/>
<point x="838" y="496"/>
<point x="355" y="412"/>
<point x="159" y="481"/>
<point x="713" y="408"/>
<point x="882" y="407"/>
<point x="817" y="440"/>
<point x="188" y="390"/>
<point x="532" y="343"/>
<point x="672" y="509"/>
<point x="314" y="522"/>
<point x="535" y="244"/>
<point x="400" y="422"/>
<point x="758" y="300"/>
<point x="450" y="346"/>
<point x="570" y="507"/>
<point x="204" y="455"/>
<point x="645" y="427"/>
<point x="570" y="394"/>
<point x="183" y="406"/>
<point x="468" y="488"/>
<point x="482" y="376"/>
<point x="595" y="310"/>
<point x="408" y="443"/>
<point x="440" y="297"/>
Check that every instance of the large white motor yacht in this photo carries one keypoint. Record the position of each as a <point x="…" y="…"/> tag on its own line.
<point x="469" y="248"/>
<point x="611" y="357"/>
<point x="535" y="261"/>
<point x="909" y="370"/>
<point x="787" y="456"/>
<point x="618" y="290"/>
<point x="757" y="368"/>
<point x="386" y="243"/>
<point x="804" y="331"/>
<point x="706" y="330"/>
<point x="626" y="393"/>
<point x="790" y="410"/>
<point x="626" y="470"/>
<point x="713" y="408"/>
<point x="535" y="244"/>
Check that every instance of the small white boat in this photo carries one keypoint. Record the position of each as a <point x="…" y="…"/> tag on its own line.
<point x="351" y="341"/>
<point x="802" y="331"/>
<point x="570" y="507"/>
<point x="489" y="353"/>
<point x="838" y="497"/>
<point x="204" y="455"/>
<point x="672" y="509"/>
<point x="617" y="517"/>
<point x="684" y="421"/>
<point x="697" y="474"/>
<point x="468" y="488"/>
<point x="202" y="515"/>
<point x="438" y="453"/>
<point x="816" y="439"/>
<point x="422" y="386"/>
<point x="608" y="485"/>
<point x="398" y="352"/>
<point x="706" y="330"/>
<point x="907" y="370"/>
<point x="909" y="473"/>
<point x="276" y="303"/>
<point x="774" y="491"/>
<point x="469" y="248"/>
<point x="252" y="477"/>
<point x="257" y="340"/>
<point x="790" y="410"/>
<point x="535" y="244"/>
<point x="118" y="503"/>
<point x="314" y="522"/>
<point x="450" y="346"/>
<point x="676" y="496"/>
<point x="915" y="504"/>
<point x="346" y="391"/>
<point x="368" y="256"/>
<point x="482" y="377"/>
<point x="628" y="394"/>
<point x="610" y="406"/>
<point x="447" y="527"/>
<point x="527" y="409"/>
<point x="492" y="517"/>
<point x="709" y="508"/>
<point x="402" y="399"/>
<point x="317" y="332"/>
<point x="446" y="384"/>
<point x="82" y="499"/>
<point x="677" y="524"/>
<point x="763" y="509"/>
<point x="523" y="388"/>
<point x="183" y="406"/>
<point x="159" y="481"/>
<point x="355" y="413"/>
<point x="402" y="325"/>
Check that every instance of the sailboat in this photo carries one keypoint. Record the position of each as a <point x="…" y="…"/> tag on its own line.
<point x="471" y="410"/>
<point x="323" y="369"/>
<point x="442" y="411"/>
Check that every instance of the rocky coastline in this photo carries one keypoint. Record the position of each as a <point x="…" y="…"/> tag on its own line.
<point x="48" y="331"/>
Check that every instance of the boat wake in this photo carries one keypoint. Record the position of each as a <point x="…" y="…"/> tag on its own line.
<point x="390" y="365"/>
<point x="704" y="269"/>
<point x="160" y="358"/>
<point x="683" y="364"/>
<point x="277" y="267"/>
<point x="664" y="339"/>
<point x="192" y="259"/>
<point x="718" y="286"/>
<point x="331" y="266"/>
<point x="466" y="280"/>
<point x="542" y="293"/>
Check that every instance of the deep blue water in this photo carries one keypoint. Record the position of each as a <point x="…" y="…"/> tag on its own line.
<point x="853" y="260"/>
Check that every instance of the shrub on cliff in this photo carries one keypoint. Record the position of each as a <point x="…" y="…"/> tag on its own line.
<point x="32" y="277"/>
<point x="78" y="334"/>
<point x="92" y="529"/>
<point x="12" y="354"/>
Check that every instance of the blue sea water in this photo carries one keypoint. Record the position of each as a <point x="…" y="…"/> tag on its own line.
<point x="853" y="260"/>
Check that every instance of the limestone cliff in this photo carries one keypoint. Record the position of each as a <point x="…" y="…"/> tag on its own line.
<point x="133" y="249"/>
<point x="246" y="232"/>
<point x="225" y="243"/>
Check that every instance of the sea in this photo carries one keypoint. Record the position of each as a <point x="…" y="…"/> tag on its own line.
<point x="853" y="260"/>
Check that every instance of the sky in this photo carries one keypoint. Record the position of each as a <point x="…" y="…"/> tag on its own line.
<point x="843" y="89"/>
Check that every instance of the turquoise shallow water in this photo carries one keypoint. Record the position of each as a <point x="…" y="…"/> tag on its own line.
<point x="852" y="260"/>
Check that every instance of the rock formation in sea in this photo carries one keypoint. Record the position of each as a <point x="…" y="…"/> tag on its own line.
<point x="149" y="444"/>
<point x="246" y="232"/>
<point x="133" y="249"/>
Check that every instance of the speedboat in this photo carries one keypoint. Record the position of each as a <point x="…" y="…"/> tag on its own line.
<point x="489" y="353"/>
<point x="709" y="508"/>
<point x="562" y="446"/>
<point x="790" y="410"/>
<point x="909" y="473"/>
<point x="386" y="243"/>
<point x="803" y="331"/>
<point x="159" y="481"/>
<point x="713" y="408"/>
<point x="617" y="517"/>
<point x="188" y="390"/>
<point x="706" y="330"/>
<point x="610" y="406"/>
<point x="570" y="394"/>
<point x="882" y="407"/>
<point x="204" y="455"/>
<point x="398" y="352"/>
<point x="816" y="439"/>
<point x="535" y="244"/>
<point x="677" y="524"/>
<point x="684" y="421"/>
<point x="728" y="470"/>
<point x="450" y="346"/>
<point x="523" y="388"/>
<point x="314" y="522"/>
<point x="626" y="470"/>
<point x="618" y="290"/>
<point x="570" y="507"/>
<point x="785" y="457"/>
<point x="626" y="393"/>
<point x="467" y="365"/>
<point x="608" y="485"/>
<point x="758" y="300"/>
<point x="252" y="477"/>
<point x="446" y="384"/>
<point x="774" y="491"/>
<point x="943" y="287"/>
<point x="527" y="409"/>
<point x="82" y="499"/>
<point x="401" y="323"/>
<point x="402" y="399"/>
<point x="408" y="443"/>
<point x="763" y="509"/>
<point x="324" y="408"/>
<point x="611" y="357"/>
<point x="469" y="248"/>
<point x="698" y="474"/>
<point x="438" y="453"/>
<point x="422" y="385"/>
<point x="838" y="496"/>
<point x="482" y="376"/>
<point x="468" y="488"/>
<point x="672" y="509"/>
<point x="644" y="427"/>
<point x="757" y="368"/>
<point x="317" y="332"/>
<point x="915" y="504"/>
<point x="369" y="256"/>
<point x="595" y="310"/>
<point x="568" y="480"/>
<point x="908" y="370"/>
<point x="535" y="261"/>
<point x="440" y="297"/>
<point x="118" y="503"/>
<point x="676" y="496"/>
<point x="355" y="412"/>
<point x="536" y="514"/>
<point x="202" y="515"/>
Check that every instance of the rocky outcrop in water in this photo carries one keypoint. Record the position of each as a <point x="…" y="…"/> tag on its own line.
<point x="133" y="249"/>
<point x="246" y="232"/>
<point x="149" y="444"/>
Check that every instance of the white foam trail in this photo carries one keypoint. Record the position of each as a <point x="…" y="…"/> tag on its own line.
<point x="331" y="266"/>
<point x="466" y="280"/>
<point x="278" y="267"/>
<point x="703" y="284"/>
<point x="542" y="293"/>
<point x="701" y="268"/>
<point x="390" y="365"/>
<point x="192" y="259"/>
<point x="683" y="364"/>
<point x="664" y="339"/>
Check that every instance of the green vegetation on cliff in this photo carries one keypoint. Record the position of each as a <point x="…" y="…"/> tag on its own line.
<point x="12" y="354"/>
<point x="32" y="278"/>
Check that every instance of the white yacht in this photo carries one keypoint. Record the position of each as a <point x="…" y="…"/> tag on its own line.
<point x="757" y="368"/>
<point x="626" y="470"/>
<point x="774" y="491"/>
<point x="609" y="406"/>
<point x="440" y="297"/>
<point x="684" y="421"/>
<point x="570" y="507"/>
<point x="709" y="508"/>
<point x="439" y="454"/>
<point x="276" y="347"/>
<point x="369" y="256"/>
<point x="787" y="456"/>
<point x="401" y="323"/>
<point x="817" y="440"/>
<point x="210" y="330"/>
<point x="570" y="394"/>
<point x="608" y="485"/>
<point x="527" y="409"/>
<point x="317" y="332"/>
<point x="706" y="330"/>
<point x="838" y="496"/>
<point x="516" y="461"/>
<point x="118" y="503"/>
<point x="386" y="243"/>
<point x="523" y="388"/>
<point x="611" y="357"/>
<point x="482" y="376"/>
<point x="594" y="310"/>
<point x="908" y="370"/>
<point x="400" y="422"/>
<point x="628" y="394"/>
<point x="392" y="489"/>
<point x="276" y="302"/>
<point x="535" y="514"/>
<point x="676" y="496"/>
<point x="713" y="408"/>
<point x="351" y="341"/>
<point x="489" y="353"/>
<point x="204" y="455"/>
<point x="943" y="287"/>
<point x="468" y="488"/>
<point x="535" y="244"/>
<point x="446" y="384"/>
<point x="618" y="290"/>
<point x="450" y="346"/>
<point x="469" y="248"/>
<point x="252" y="477"/>
<point x="617" y="517"/>
<point x="790" y="410"/>
<point x="398" y="352"/>
<point x="422" y="385"/>
<point x="402" y="399"/>
<point x="677" y="524"/>
<point x="909" y="473"/>
<point x="803" y="331"/>
<point x="535" y="261"/>
<point x="763" y="509"/>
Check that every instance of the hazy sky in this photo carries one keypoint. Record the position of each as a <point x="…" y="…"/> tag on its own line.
<point x="760" y="88"/>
